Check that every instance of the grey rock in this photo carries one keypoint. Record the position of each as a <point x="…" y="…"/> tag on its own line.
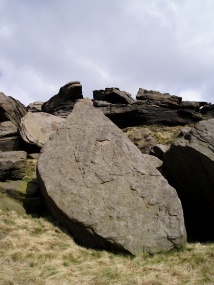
<point x="113" y="95"/>
<point x="189" y="165"/>
<point x="185" y="131"/>
<point x="159" y="150"/>
<point x="192" y="105"/>
<point x="207" y="111"/>
<point x="36" y="128"/>
<point x="33" y="155"/>
<point x="98" y="184"/>
<point x="35" y="106"/>
<point x="11" y="109"/>
<point x="99" y="103"/>
<point x="157" y="98"/>
<point x="9" y="137"/>
<point x="62" y="103"/>
<point x="153" y="160"/>
<point x="142" y="137"/>
<point x="12" y="165"/>
<point x="143" y="113"/>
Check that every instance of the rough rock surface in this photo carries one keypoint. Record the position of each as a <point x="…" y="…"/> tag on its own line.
<point x="35" y="106"/>
<point x="96" y="181"/>
<point x="142" y="113"/>
<point x="12" y="165"/>
<point x="113" y="95"/>
<point x="62" y="103"/>
<point x="36" y="128"/>
<point x="154" y="161"/>
<point x="22" y="196"/>
<point x="9" y="137"/>
<point x="159" y="150"/>
<point x="11" y="109"/>
<point x="143" y="138"/>
<point x="189" y="165"/>
<point x="161" y="99"/>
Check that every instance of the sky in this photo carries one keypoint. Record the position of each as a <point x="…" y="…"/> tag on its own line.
<point x="161" y="45"/>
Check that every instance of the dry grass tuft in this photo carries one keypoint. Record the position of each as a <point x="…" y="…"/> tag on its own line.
<point x="36" y="251"/>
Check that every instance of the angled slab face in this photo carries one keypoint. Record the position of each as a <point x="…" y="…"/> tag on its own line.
<point x="36" y="128"/>
<point x="11" y="109"/>
<point x="62" y="103"/>
<point x="97" y="182"/>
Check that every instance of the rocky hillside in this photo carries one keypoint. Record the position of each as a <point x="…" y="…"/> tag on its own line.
<point x="122" y="174"/>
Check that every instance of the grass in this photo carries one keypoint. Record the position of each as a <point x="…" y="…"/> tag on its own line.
<point x="36" y="251"/>
<point x="162" y="134"/>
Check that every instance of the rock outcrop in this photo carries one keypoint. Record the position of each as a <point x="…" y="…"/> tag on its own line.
<point x="151" y="107"/>
<point x="96" y="181"/>
<point x="62" y="103"/>
<point x="11" y="110"/>
<point x="9" y="137"/>
<point x="36" y="128"/>
<point x="157" y="98"/>
<point x="12" y="165"/>
<point x="113" y="95"/>
<point x="35" y="106"/>
<point x="141" y="113"/>
<point x="189" y="165"/>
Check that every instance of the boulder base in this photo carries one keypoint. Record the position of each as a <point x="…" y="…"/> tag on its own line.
<point x="189" y="165"/>
<point x="98" y="184"/>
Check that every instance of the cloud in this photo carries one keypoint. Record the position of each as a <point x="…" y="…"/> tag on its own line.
<point x="161" y="45"/>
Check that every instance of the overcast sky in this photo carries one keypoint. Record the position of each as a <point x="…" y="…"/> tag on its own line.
<point x="165" y="45"/>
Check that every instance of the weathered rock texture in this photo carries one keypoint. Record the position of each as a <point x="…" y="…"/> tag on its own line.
<point x="161" y="99"/>
<point x="146" y="138"/>
<point x="62" y="103"/>
<point x="189" y="165"/>
<point x="96" y="181"/>
<point x="35" y="106"/>
<point x="142" y="113"/>
<point x="12" y="165"/>
<point x="36" y="128"/>
<point x="11" y="109"/>
<point x="9" y="137"/>
<point x="151" y="107"/>
<point x="159" y="150"/>
<point x="113" y="95"/>
<point x="22" y="196"/>
<point x="143" y="138"/>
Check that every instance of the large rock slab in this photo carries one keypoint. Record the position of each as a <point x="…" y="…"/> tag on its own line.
<point x="189" y="165"/>
<point x="113" y="95"/>
<point x="11" y="109"/>
<point x="62" y="103"/>
<point x="36" y="128"/>
<point x="97" y="183"/>
<point x="9" y="137"/>
<point x="12" y="165"/>
<point x="35" y="106"/>
<point x="143" y="113"/>
<point x="158" y="98"/>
